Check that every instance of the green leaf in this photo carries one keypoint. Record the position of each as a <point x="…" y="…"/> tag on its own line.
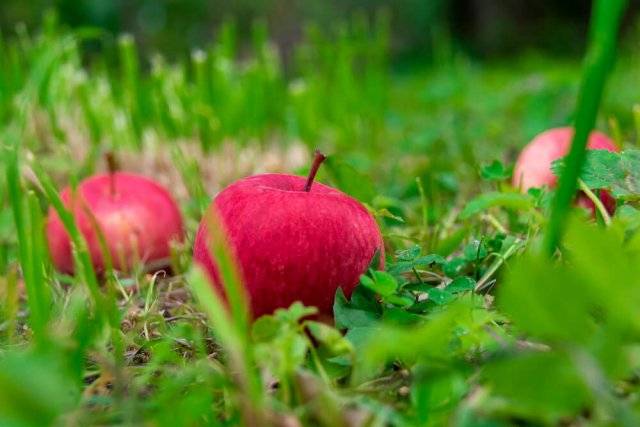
<point x="601" y="169"/>
<point x="400" y="316"/>
<point x="365" y="299"/>
<point x="429" y="259"/>
<point x="430" y="341"/>
<point x="408" y="254"/>
<point x="628" y="216"/>
<point x="423" y="261"/>
<point x="440" y="296"/>
<point x="367" y="281"/>
<point x="631" y="164"/>
<point x="295" y="313"/>
<point x="347" y="316"/>
<point x="385" y="283"/>
<point x="331" y="339"/>
<point x="515" y="201"/>
<point x="399" y="300"/>
<point x="381" y="282"/>
<point x="617" y="172"/>
<point x="541" y="386"/>
<point x="610" y="274"/>
<point x="475" y="251"/>
<point x="461" y="284"/>
<point x="265" y="329"/>
<point x="436" y="392"/>
<point x="34" y="391"/>
<point x="360" y="335"/>
<point x="496" y="171"/>
<point x="546" y="300"/>
<point x="454" y="267"/>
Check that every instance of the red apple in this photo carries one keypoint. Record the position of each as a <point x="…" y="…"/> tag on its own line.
<point x="137" y="217"/>
<point x="293" y="240"/>
<point x="533" y="167"/>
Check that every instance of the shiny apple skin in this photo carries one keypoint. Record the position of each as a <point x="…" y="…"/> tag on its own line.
<point x="138" y="218"/>
<point x="292" y="245"/>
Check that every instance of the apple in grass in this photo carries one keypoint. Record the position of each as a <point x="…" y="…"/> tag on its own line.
<point x="293" y="239"/>
<point x="137" y="217"/>
<point x="533" y="167"/>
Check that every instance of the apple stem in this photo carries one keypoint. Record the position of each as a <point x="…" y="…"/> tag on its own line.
<point x="112" y="167"/>
<point x="317" y="161"/>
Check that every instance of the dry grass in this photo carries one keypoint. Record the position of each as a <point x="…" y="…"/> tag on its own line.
<point x="229" y="162"/>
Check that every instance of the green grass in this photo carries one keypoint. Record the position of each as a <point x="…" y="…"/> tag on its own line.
<point x="467" y="325"/>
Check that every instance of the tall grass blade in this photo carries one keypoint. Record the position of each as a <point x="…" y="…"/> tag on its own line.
<point x="30" y="259"/>
<point x="230" y="320"/>
<point x="131" y="85"/>
<point x="605" y="22"/>
<point x="82" y="258"/>
<point x="40" y="258"/>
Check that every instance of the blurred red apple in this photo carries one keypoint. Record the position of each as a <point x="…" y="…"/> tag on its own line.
<point x="137" y="217"/>
<point x="293" y="241"/>
<point x="533" y="167"/>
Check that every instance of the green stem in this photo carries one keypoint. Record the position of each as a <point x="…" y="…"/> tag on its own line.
<point x="496" y="224"/>
<point x="502" y="258"/>
<point x="596" y="202"/>
<point x="605" y="22"/>
<point x="424" y="233"/>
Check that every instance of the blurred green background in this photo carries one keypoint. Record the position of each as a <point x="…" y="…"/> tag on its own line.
<point x="442" y="86"/>
<point x="480" y="27"/>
